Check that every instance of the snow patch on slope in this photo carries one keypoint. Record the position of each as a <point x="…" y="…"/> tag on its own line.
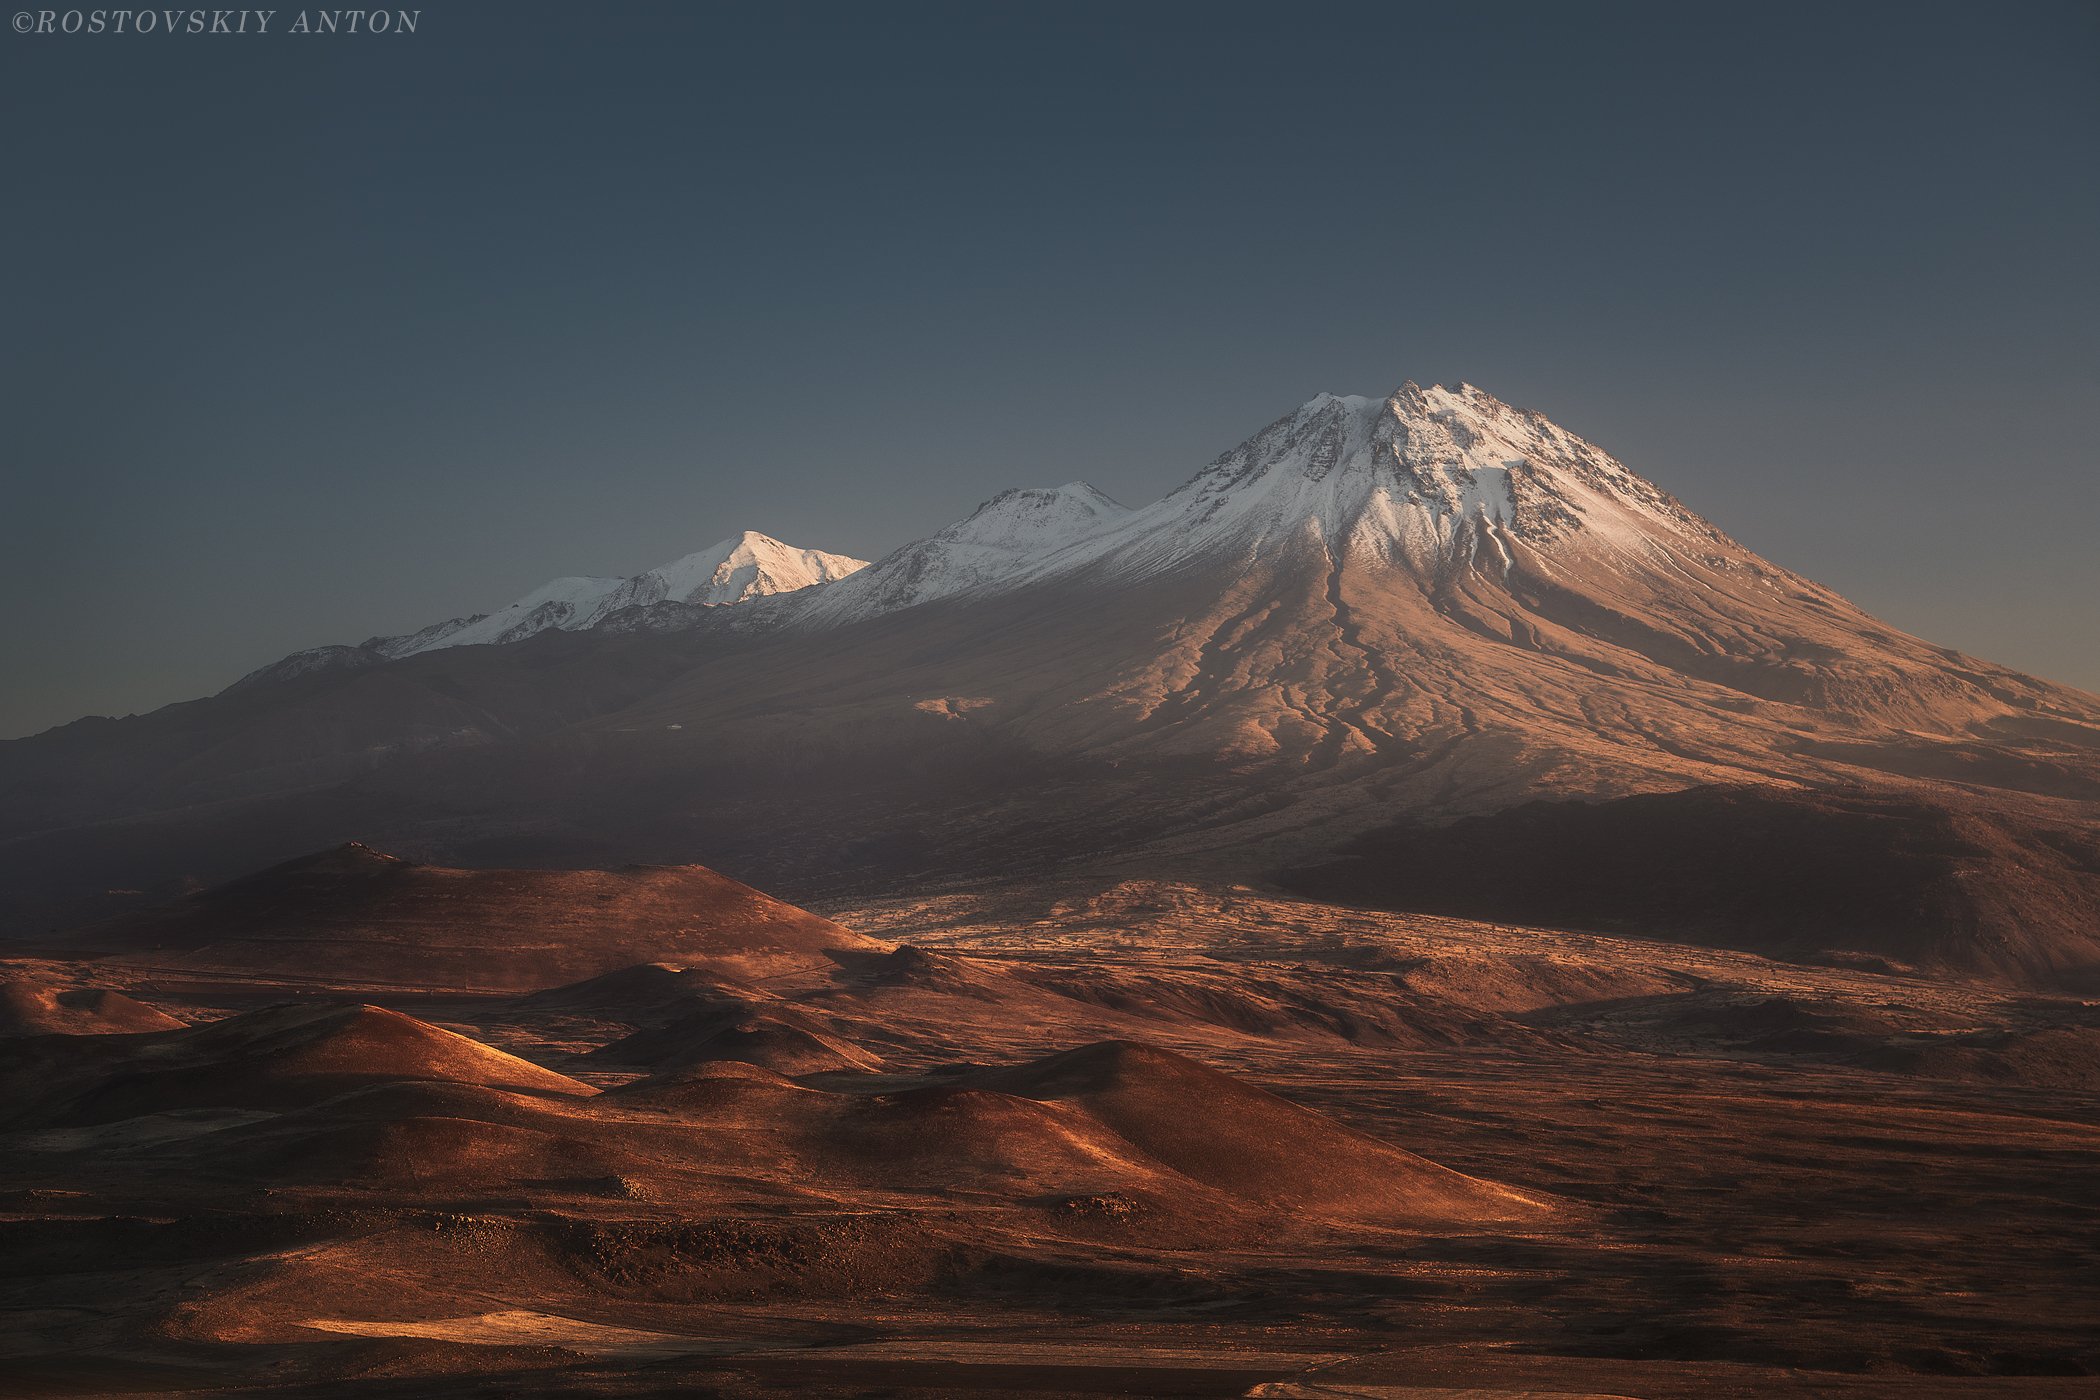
<point x="987" y="552"/>
<point x="566" y="603"/>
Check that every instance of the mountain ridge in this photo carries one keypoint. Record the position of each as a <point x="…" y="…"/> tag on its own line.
<point x="737" y="570"/>
<point x="1419" y="476"/>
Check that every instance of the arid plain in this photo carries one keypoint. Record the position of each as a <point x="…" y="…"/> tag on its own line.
<point x="1144" y="1138"/>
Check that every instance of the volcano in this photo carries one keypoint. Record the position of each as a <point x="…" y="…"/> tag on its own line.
<point x="1411" y="609"/>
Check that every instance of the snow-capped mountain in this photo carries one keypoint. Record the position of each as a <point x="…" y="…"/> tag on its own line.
<point x="735" y="571"/>
<point x="1425" y="479"/>
<point x="999" y="545"/>
<point x="1342" y="583"/>
<point x="1426" y="604"/>
<point x="738" y="570"/>
<point x="1369" y="578"/>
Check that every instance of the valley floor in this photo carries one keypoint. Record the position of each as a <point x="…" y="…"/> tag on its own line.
<point x="1759" y="1179"/>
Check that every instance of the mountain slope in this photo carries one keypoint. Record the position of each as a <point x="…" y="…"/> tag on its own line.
<point x="1846" y="877"/>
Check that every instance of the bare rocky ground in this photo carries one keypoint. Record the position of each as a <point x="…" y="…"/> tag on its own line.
<point x="1142" y="1139"/>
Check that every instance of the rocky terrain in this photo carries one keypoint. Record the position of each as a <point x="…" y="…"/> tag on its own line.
<point x="1104" y="1138"/>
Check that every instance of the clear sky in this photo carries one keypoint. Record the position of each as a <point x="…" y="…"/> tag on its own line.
<point x="308" y="338"/>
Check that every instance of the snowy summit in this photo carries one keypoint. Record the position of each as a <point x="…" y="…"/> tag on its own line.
<point x="737" y="570"/>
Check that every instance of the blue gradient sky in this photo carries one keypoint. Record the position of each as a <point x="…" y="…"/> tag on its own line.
<point x="304" y="340"/>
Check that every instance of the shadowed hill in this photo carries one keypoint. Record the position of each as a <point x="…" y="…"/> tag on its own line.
<point x="782" y="1038"/>
<point x="1213" y="1128"/>
<point x="1952" y="888"/>
<point x="1129" y="1127"/>
<point x="281" y="1057"/>
<point x="29" y="1008"/>
<point x="353" y="915"/>
<point x="646" y="994"/>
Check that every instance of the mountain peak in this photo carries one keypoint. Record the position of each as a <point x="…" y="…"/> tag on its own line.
<point x="747" y="565"/>
<point x="1432" y="473"/>
<point x="984" y="552"/>
<point x="1033" y="515"/>
<point x="1426" y="480"/>
<point x="1459" y="401"/>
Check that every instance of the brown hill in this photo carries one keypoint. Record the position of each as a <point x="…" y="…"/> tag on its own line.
<point x="281" y="1057"/>
<point x="410" y="1137"/>
<point x="29" y="1008"/>
<point x="781" y="1037"/>
<point x="1212" y="1128"/>
<point x="734" y="1094"/>
<point x="374" y="1100"/>
<point x="354" y="916"/>
<point x="646" y="994"/>
<point x="1113" y="1122"/>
